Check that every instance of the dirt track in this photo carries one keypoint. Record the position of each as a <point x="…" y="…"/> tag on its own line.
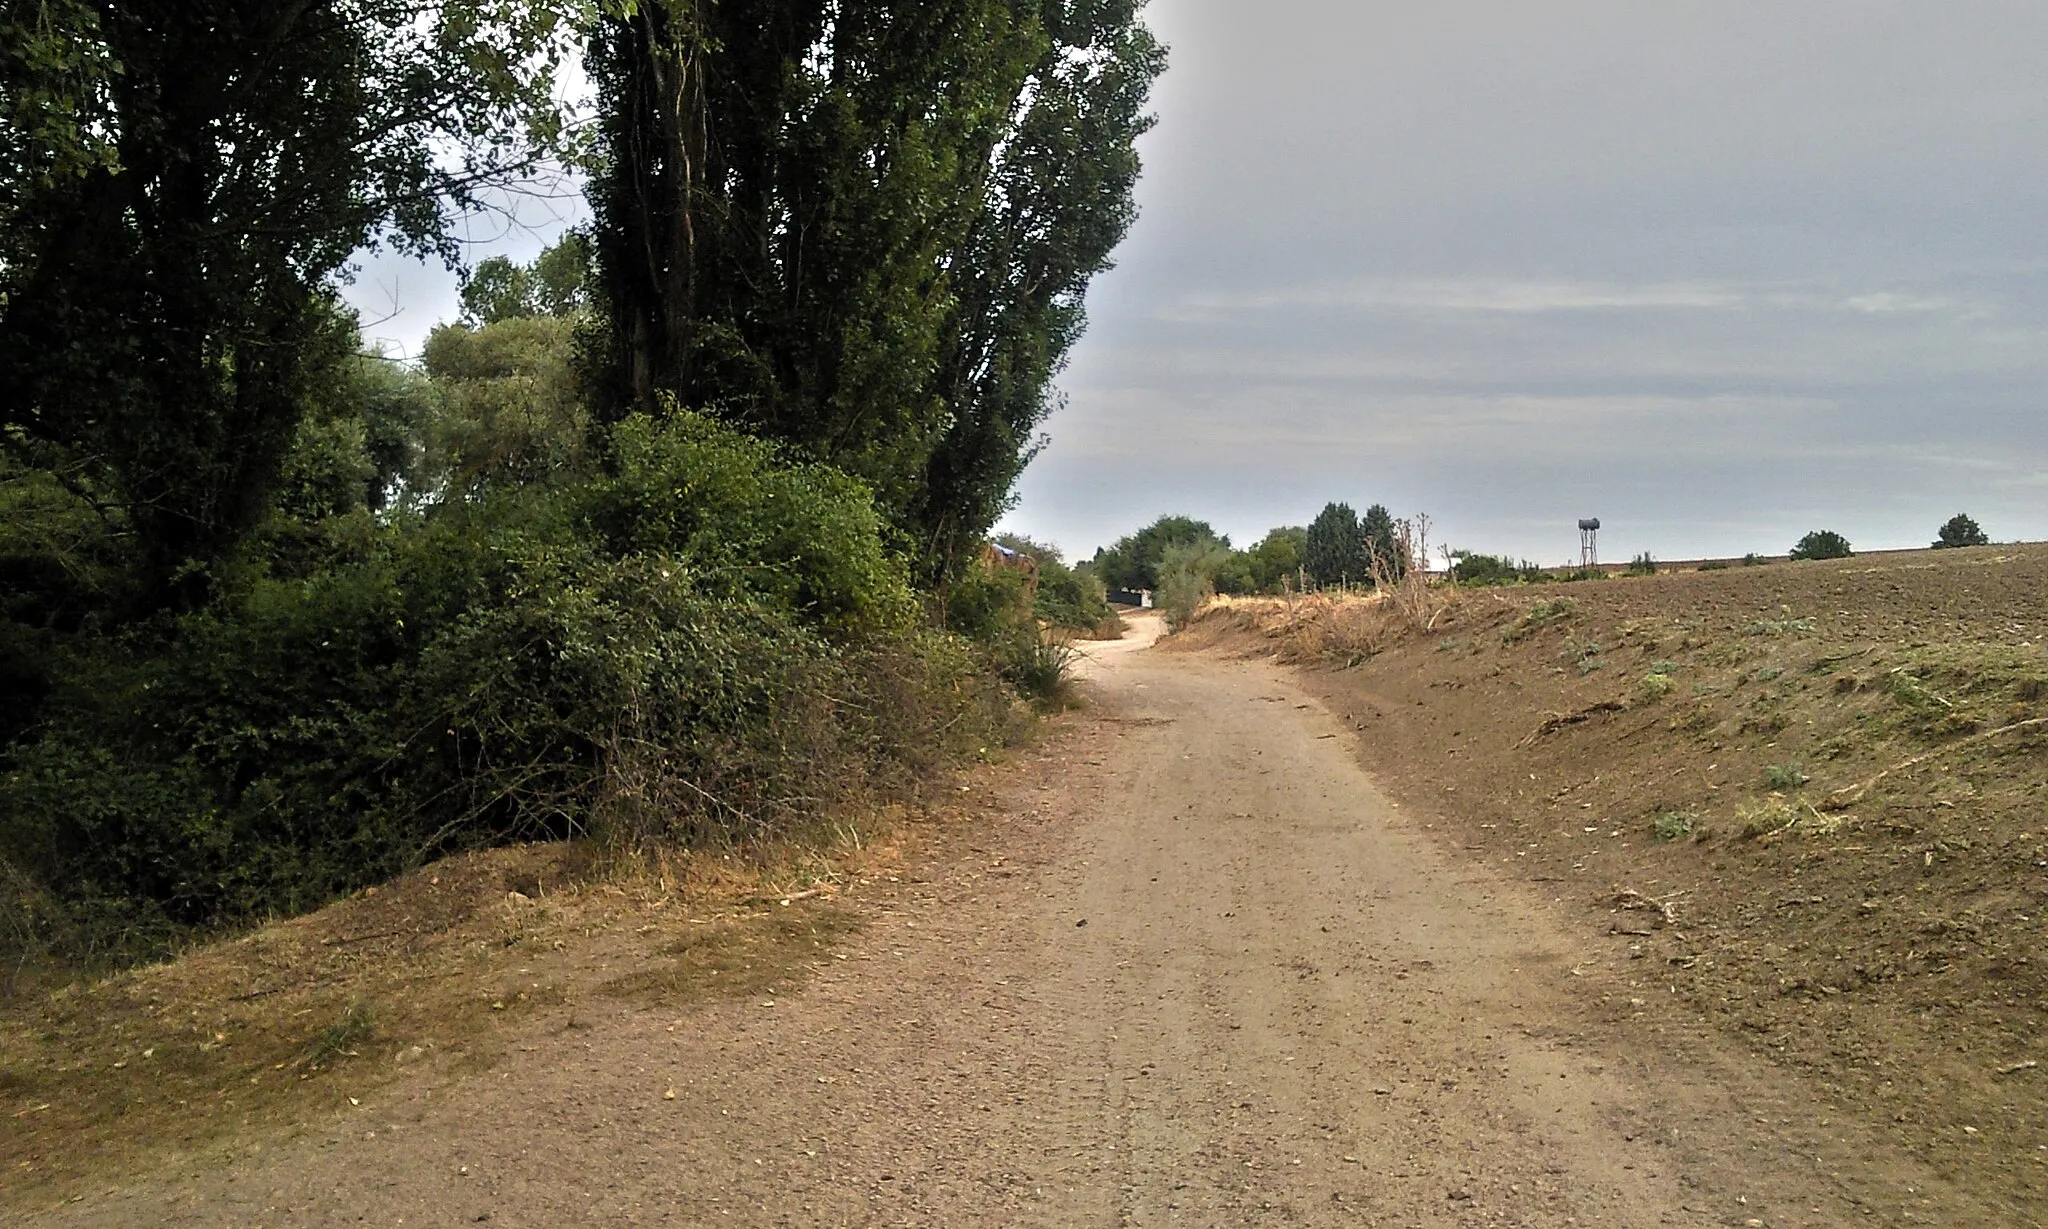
<point x="1194" y="969"/>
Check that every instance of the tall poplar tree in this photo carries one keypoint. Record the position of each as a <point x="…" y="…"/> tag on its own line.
<point x="864" y="227"/>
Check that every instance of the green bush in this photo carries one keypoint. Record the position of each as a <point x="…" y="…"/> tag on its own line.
<point x="1186" y="578"/>
<point x="1642" y="565"/>
<point x="706" y="644"/>
<point x="1822" y="544"/>
<point x="1070" y="598"/>
<point x="1673" y="825"/>
<point x="1960" y="530"/>
<point x="1473" y="569"/>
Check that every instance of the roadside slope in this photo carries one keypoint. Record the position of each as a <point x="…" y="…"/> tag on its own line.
<point x="1833" y="773"/>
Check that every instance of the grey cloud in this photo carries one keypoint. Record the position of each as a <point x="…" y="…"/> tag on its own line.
<point x="1716" y="272"/>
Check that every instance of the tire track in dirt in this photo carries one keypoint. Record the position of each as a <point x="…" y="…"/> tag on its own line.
<point x="1194" y="970"/>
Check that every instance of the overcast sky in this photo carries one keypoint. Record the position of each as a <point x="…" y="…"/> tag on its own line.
<point x="1715" y="271"/>
<point x="1718" y="272"/>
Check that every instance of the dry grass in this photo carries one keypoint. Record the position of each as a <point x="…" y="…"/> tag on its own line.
<point x="441" y="970"/>
<point x="1325" y="628"/>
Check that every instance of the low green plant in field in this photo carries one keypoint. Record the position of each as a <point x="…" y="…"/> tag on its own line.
<point x="1642" y="565"/>
<point x="1785" y="626"/>
<point x="340" y="1039"/>
<point x="1586" y="655"/>
<point x="1537" y="617"/>
<point x="1655" y="686"/>
<point x="1674" y="825"/>
<point x="1784" y="776"/>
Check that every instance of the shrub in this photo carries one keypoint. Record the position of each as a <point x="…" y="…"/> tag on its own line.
<point x="1642" y="565"/>
<point x="1784" y="776"/>
<point x="1822" y="544"/>
<point x="1673" y="825"/>
<point x="1473" y="569"/>
<point x="1185" y="574"/>
<point x="1070" y="599"/>
<point x="707" y="645"/>
<point x="1960" y="530"/>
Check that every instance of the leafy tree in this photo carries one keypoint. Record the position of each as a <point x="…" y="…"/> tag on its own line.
<point x="1382" y="546"/>
<point x="1642" y="565"/>
<point x="1822" y="544"/>
<point x="1277" y="558"/>
<point x="865" y="228"/>
<point x="1133" y="563"/>
<point x="510" y="408"/>
<point x="188" y="176"/>
<point x="1960" y="530"/>
<point x="556" y="283"/>
<point x="1334" y="550"/>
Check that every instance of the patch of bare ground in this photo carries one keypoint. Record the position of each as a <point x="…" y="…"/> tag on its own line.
<point x="1806" y="799"/>
<point x="437" y="975"/>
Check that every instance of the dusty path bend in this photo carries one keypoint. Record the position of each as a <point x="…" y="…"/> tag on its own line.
<point x="1195" y="970"/>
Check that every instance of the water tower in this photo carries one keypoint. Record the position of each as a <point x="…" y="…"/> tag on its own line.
<point x="1589" y="542"/>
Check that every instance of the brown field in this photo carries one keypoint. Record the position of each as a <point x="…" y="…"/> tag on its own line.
<point x="1809" y="798"/>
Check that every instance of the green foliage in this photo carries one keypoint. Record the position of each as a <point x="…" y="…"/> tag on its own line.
<point x="556" y="283"/>
<point x="1066" y="598"/>
<point x="1472" y="569"/>
<point x="1334" y="550"/>
<point x="1788" y="625"/>
<point x="1277" y="560"/>
<point x="1784" y="776"/>
<point x="1642" y="565"/>
<point x="189" y="178"/>
<point x="1187" y="572"/>
<point x="723" y="505"/>
<point x="865" y="232"/>
<point x="1537" y="617"/>
<point x="1822" y="544"/>
<point x="510" y="406"/>
<point x="1070" y="598"/>
<point x="1673" y="825"/>
<point x="1752" y="560"/>
<point x="705" y="643"/>
<point x="1960" y="530"/>
<point x="1134" y="562"/>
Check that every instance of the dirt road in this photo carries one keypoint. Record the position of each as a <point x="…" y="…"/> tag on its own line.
<point x="1192" y="970"/>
